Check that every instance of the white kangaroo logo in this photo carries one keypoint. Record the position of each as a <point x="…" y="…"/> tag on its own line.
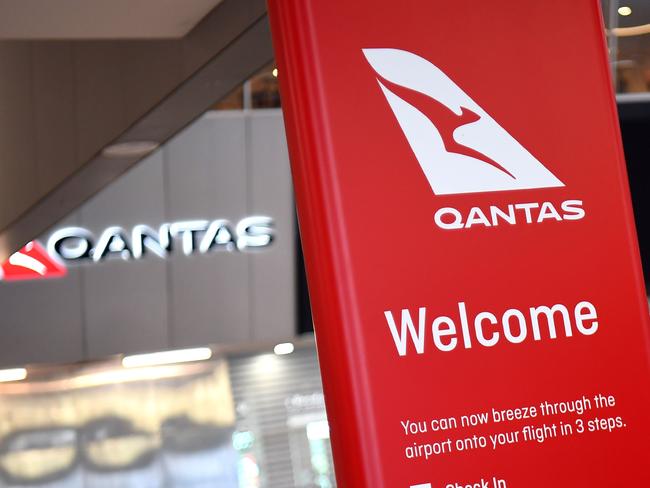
<point x="460" y="148"/>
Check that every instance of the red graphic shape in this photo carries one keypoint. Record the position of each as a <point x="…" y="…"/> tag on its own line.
<point x="32" y="262"/>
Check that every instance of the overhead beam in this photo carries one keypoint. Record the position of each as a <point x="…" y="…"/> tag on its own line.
<point x="226" y="48"/>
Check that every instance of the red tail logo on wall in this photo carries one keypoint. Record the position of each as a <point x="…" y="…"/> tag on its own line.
<point x="31" y="262"/>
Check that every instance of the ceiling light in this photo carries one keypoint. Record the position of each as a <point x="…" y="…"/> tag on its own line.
<point x="167" y="357"/>
<point x="275" y="72"/>
<point x="283" y="349"/>
<point x="131" y="149"/>
<point x="625" y="11"/>
<point x="15" y="374"/>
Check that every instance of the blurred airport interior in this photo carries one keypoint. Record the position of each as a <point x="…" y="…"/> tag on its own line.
<point x="239" y="419"/>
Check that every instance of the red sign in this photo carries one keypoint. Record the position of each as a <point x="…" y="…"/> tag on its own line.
<point x="30" y="263"/>
<point x="472" y="261"/>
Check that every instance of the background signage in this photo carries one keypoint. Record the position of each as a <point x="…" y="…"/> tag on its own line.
<point x="195" y="245"/>
<point x="469" y="242"/>
<point x="77" y="244"/>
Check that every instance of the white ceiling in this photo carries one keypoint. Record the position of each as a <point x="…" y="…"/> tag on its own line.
<point x="100" y="19"/>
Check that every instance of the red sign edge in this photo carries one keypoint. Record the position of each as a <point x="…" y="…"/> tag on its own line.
<point x="336" y="320"/>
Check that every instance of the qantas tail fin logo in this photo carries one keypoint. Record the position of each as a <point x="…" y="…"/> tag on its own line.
<point x="31" y="262"/>
<point x="460" y="148"/>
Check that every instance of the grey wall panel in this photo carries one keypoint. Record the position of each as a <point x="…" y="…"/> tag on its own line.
<point x="55" y="119"/>
<point x="42" y="321"/>
<point x="101" y="104"/>
<point x="36" y="328"/>
<point x="207" y="168"/>
<point x="150" y="68"/>
<point x="125" y="302"/>
<point x="125" y="308"/>
<point x="207" y="179"/>
<point x="273" y="285"/>
<point x="209" y="300"/>
<point x="17" y="157"/>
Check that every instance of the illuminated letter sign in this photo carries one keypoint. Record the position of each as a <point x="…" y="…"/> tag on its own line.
<point x="77" y="243"/>
<point x="471" y="254"/>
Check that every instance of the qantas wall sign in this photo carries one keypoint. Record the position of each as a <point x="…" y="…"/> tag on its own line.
<point x="77" y="243"/>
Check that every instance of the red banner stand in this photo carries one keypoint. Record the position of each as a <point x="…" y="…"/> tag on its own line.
<point x="478" y="300"/>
